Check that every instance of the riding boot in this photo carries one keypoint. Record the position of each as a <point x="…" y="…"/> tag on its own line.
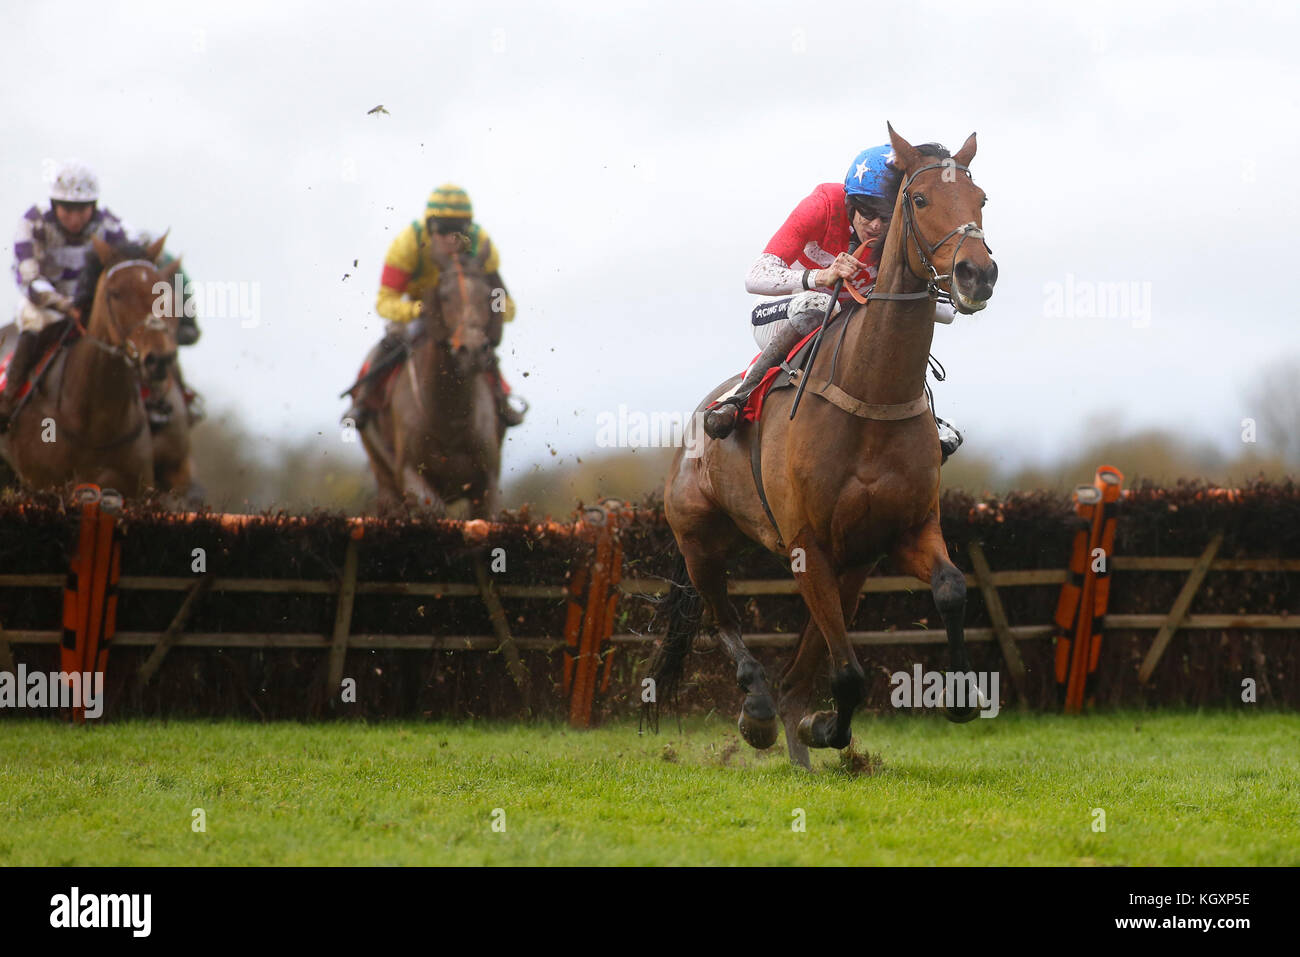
<point x="20" y="365"/>
<point x="509" y="415"/>
<point x="721" y="419"/>
<point x="194" y="408"/>
<point x="367" y="396"/>
<point x="949" y="438"/>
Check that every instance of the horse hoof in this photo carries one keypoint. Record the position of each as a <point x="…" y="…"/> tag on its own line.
<point x="805" y="731"/>
<point x="758" y="721"/>
<point x="815" y="730"/>
<point x="760" y="735"/>
<point x="960" y="715"/>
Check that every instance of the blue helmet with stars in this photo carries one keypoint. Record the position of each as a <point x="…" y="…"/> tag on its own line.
<point x="869" y="172"/>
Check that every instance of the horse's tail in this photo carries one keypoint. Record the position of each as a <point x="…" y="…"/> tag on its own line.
<point x="684" y="609"/>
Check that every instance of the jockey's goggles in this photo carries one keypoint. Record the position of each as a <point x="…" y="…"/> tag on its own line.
<point x="869" y="210"/>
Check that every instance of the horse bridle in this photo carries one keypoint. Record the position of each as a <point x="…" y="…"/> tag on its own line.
<point x="125" y="347"/>
<point x="926" y="250"/>
<point x="453" y="335"/>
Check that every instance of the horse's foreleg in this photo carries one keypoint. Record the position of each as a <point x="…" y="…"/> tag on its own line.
<point x="487" y="502"/>
<point x="820" y="588"/>
<point x="925" y="555"/>
<point x="800" y="677"/>
<point x="758" y="723"/>
<point x="421" y="491"/>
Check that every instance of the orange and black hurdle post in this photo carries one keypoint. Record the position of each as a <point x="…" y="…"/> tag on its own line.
<point x="90" y="592"/>
<point x="1086" y="592"/>
<point x="588" y="626"/>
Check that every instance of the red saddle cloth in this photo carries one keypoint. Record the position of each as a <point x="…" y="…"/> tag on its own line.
<point x="4" y="376"/>
<point x="753" y="407"/>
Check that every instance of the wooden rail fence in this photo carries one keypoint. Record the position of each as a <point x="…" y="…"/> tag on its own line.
<point x="592" y="595"/>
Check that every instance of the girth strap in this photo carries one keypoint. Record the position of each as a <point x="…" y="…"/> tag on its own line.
<point x="756" y="466"/>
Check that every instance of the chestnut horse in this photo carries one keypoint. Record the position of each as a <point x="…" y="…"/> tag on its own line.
<point x="851" y="480"/>
<point x="173" y="463"/>
<point x="438" y="438"/>
<point x="86" y="421"/>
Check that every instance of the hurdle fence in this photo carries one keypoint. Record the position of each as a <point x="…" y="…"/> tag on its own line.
<point x="590" y="639"/>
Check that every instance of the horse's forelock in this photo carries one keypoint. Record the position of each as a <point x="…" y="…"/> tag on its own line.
<point x="88" y="281"/>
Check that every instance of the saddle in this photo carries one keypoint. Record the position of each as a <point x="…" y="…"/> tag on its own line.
<point x="51" y="339"/>
<point x="782" y="376"/>
<point x="376" y="384"/>
<point x="60" y="335"/>
<point x="379" y="373"/>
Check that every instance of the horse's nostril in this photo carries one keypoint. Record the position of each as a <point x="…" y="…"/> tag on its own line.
<point x="965" y="272"/>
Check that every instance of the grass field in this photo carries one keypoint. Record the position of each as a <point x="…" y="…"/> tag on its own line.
<point x="1176" y="788"/>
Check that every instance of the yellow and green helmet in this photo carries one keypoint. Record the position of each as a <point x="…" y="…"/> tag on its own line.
<point x="448" y="201"/>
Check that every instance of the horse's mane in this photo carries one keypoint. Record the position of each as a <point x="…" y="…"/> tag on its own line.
<point x="84" y="297"/>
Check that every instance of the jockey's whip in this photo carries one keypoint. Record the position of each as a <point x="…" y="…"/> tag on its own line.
<point x="817" y="341"/>
<point x="42" y="364"/>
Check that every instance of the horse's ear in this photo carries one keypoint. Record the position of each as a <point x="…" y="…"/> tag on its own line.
<point x="155" y="248"/>
<point x="103" y="251"/>
<point x="967" y="151"/>
<point x="169" y="271"/>
<point x="904" y="152"/>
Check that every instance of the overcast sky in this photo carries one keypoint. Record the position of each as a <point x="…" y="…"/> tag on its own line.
<point x="632" y="160"/>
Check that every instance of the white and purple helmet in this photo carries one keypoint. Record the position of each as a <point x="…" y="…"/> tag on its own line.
<point x="74" y="182"/>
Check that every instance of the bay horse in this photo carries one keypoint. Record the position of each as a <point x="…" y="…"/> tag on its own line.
<point x="438" y="438"/>
<point x="85" y="420"/>
<point x="173" y="461"/>
<point x="853" y="479"/>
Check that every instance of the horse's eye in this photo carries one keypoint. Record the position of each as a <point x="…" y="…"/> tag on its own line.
<point x="919" y="201"/>
<point x="984" y="202"/>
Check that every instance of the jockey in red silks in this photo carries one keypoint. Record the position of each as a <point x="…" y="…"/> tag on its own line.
<point x="837" y="232"/>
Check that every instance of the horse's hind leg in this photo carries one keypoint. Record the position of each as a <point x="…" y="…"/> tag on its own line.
<point x="800" y="677"/>
<point x="797" y="687"/>
<point x="706" y="565"/>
